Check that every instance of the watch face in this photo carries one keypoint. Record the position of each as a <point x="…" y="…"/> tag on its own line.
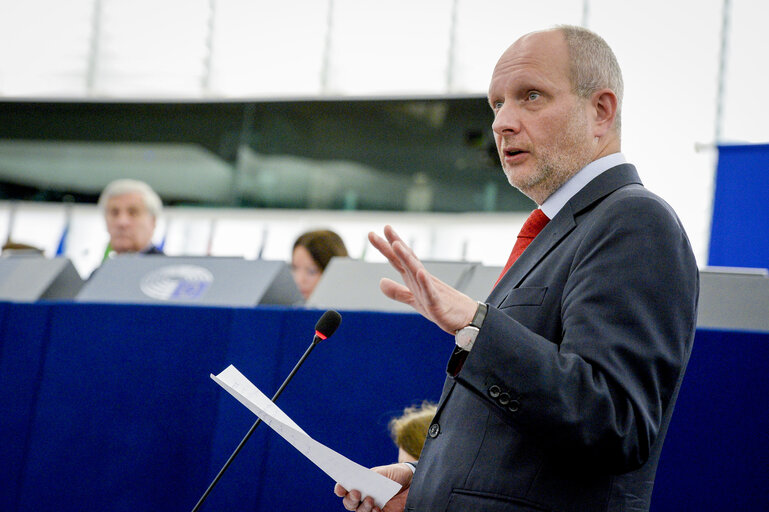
<point x="466" y="336"/>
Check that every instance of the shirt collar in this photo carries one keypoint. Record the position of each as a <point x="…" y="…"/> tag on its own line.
<point x="560" y="197"/>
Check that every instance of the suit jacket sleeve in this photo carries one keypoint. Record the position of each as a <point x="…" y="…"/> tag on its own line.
<point x="590" y="345"/>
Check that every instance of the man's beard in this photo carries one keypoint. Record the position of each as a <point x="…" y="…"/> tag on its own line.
<point x="559" y="161"/>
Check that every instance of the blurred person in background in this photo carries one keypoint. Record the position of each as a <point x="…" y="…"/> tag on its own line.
<point x="409" y="430"/>
<point x="10" y="248"/>
<point x="131" y="209"/>
<point x="311" y="253"/>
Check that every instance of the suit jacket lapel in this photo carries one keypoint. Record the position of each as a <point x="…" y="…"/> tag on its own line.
<point x="563" y="223"/>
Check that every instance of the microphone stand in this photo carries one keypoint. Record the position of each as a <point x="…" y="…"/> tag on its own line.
<point x="315" y="341"/>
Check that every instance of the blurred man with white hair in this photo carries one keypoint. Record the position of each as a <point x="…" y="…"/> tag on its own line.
<point x="131" y="209"/>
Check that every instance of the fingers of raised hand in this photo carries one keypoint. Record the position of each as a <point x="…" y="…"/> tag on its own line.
<point x="396" y="291"/>
<point x="410" y="264"/>
<point x="400" y="256"/>
<point x="391" y="235"/>
<point x="398" y="246"/>
<point x="430" y="295"/>
<point x="384" y="247"/>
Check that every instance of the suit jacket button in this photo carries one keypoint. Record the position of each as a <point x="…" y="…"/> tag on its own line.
<point x="434" y="430"/>
<point x="514" y="406"/>
<point x="503" y="399"/>
<point x="494" y="391"/>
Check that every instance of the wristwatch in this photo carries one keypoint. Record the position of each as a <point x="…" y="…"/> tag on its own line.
<point x="465" y="337"/>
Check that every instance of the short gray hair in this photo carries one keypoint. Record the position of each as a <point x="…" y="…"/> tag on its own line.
<point x="593" y="65"/>
<point x="120" y="187"/>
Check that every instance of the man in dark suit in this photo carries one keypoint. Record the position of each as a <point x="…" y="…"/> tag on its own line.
<point x="562" y="384"/>
<point x="131" y="209"/>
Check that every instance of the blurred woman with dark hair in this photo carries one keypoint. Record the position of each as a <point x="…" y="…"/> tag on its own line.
<point x="311" y="254"/>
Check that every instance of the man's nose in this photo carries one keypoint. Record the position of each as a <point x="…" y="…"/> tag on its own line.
<point x="122" y="219"/>
<point x="506" y="121"/>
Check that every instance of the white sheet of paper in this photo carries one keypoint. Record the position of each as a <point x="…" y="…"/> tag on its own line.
<point x="341" y="469"/>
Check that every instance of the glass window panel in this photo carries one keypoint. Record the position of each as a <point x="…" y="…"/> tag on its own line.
<point x="419" y="155"/>
<point x="263" y="48"/>
<point x="44" y="47"/>
<point x="279" y="236"/>
<point x="485" y="28"/>
<point x="745" y="101"/>
<point x="39" y="227"/>
<point x="189" y="235"/>
<point x="5" y="220"/>
<point x="87" y="238"/>
<point x="395" y="47"/>
<point x="669" y="60"/>
<point x="149" y="48"/>
<point x="237" y="237"/>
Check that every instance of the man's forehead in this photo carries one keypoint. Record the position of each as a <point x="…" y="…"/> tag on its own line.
<point x="129" y="198"/>
<point x="539" y="39"/>
<point x="537" y="51"/>
<point x="548" y="46"/>
<point x="131" y="202"/>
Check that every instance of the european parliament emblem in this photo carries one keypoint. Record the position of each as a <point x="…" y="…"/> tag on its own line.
<point x="177" y="282"/>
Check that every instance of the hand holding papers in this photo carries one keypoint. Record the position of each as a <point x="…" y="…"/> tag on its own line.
<point x="344" y="471"/>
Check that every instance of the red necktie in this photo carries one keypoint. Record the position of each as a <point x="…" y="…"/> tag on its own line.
<point x="531" y="228"/>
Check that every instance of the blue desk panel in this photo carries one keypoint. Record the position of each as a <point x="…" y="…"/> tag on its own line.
<point x="716" y="453"/>
<point x="110" y="407"/>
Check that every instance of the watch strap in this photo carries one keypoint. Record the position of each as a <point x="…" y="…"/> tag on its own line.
<point x="480" y="315"/>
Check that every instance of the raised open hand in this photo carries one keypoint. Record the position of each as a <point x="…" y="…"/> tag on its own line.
<point x="449" y="308"/>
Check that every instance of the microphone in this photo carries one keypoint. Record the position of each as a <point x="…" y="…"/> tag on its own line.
<point x="327" y="325"/>
<point x="324" y="328"/>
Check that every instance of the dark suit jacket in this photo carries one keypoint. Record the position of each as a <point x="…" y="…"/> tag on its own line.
<point x="565" y="398"/>
<point x="153" y="250"/>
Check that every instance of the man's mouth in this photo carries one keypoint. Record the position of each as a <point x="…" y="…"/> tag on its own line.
<point x="512" y="152"/>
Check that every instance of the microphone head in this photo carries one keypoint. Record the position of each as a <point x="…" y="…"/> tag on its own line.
<point x="327" y="324"/>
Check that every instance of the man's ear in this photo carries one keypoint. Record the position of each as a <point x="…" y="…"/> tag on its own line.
<point x="604" y="103"/>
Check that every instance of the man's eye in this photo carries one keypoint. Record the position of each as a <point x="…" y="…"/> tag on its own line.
<point x="498" y="105"/>
<point x="533" y="95"/>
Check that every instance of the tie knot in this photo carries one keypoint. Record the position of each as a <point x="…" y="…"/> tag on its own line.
<point x="534" y="224"/>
